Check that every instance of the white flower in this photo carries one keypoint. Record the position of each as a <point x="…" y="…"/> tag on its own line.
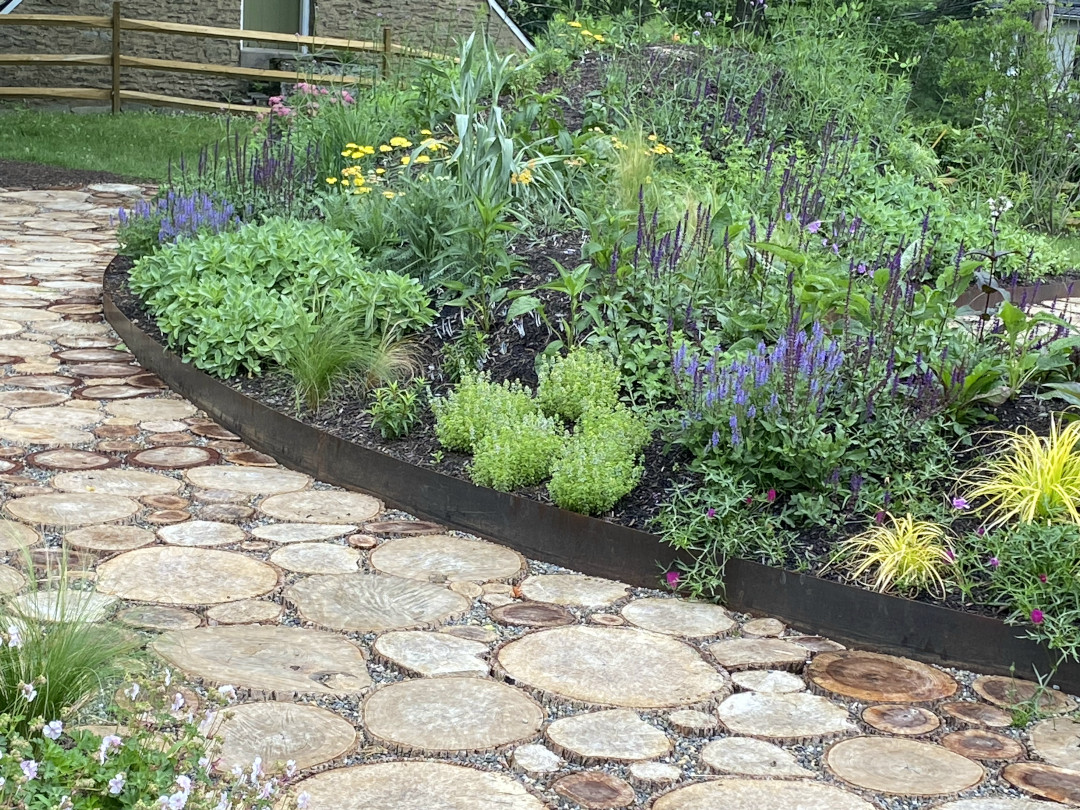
<point x="3" y="782"/>
<point x="227" y="691"/>
<point x="207" y="722"/>
<point x="28" y="691"/>
<point x="29" y="769"/>
<point x="14" y="636"/>
<point x="107" y="742"/>
<point x="132" y="692"/>
<point x="290" y="768"/>
<point x="303" y="800"/>
<point x="204" y="763"/>
<point x="184" y="783"/>
<point x="177" y="801"/>
<point x="256" y="767"/>
<point x="116" y="784"/>
<point x="65" y="803"/>
<point x="177" y="702"/>
<point x="223" y="802"/>
<point x="168" y="677"/>
<point x="53" y="729"/>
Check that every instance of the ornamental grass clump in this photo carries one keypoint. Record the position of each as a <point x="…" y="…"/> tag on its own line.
<point x="1032" y="478"/>
<point x="909" y="556"/>
<point x="472" y="410"/>
<point x="517" y="453"/>
<point x="570" y="384"/>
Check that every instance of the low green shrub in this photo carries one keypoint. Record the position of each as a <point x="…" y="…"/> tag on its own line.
<point x="582" y="378"/>
<point x="396" y="409"/>
<point x="471" y="411"/>
<point x="517" y="453"/>
<point x="233" y="301"/>
<point x="600" y="464"/>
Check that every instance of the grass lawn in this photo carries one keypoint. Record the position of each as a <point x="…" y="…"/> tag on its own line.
<point x="135" y="144"/>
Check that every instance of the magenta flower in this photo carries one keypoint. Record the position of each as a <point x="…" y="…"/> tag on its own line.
<point x="950" y="555"/>
<point x="710" y="513"/>
<point x="960" y="503"/>
<point x="770" y="496"/>
<point x="1042" y="578"/>
<point x="673" y="579"/>
<point x="980" y="531"/>
<point x="879" y="517"/>
<point x="1037" y="616"/>
<point x="749" y="498"/>
<point x="994" y="562"/>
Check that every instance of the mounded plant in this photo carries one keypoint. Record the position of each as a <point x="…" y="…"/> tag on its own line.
<point x="570" y="384"/>
<point x="466" y="415"/>
<point x="517" y="453"/>
<point x="906" y="555"/>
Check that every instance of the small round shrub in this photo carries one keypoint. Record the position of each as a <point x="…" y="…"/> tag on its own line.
<point x="518" y="453"/>
<point x="468" y="413"/>
<point x="582" y="378"/>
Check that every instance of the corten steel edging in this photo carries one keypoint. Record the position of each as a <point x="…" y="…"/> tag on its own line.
<point x="848" y="614"/>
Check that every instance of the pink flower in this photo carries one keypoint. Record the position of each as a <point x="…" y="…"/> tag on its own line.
<point x="980" y="531"/>
<point x="879" y="517"/>
<point x="1042" y="578"/>
<point x="994" y="562"/>
<point x="29" y="768"/>
<point x="749" y="498"/>
<point x="960" y="503"/>
<point x="710" y="512"/>
<point x="346" y="96"/>
<point x="1037" y="616"/>
<point x="673" y="579"/>
<point x="770" y="496"/>
<point x="273" y="101"/>
<point x="950" y="555"/>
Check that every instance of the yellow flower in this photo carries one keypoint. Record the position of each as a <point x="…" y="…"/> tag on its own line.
<point x="574" y="24"/>
<point x="423" y="159"/>
<point x="652" y="137"/>
<point x="384" y="148"/>
<point x="380" y="170"/>
<point x="586" y="33"/>
<point x="389" y="195"/>
<point x="403" y="143"/>
<point x="599" y="38"/>
<point x="344" y="181"/>
<point x="524" y="177"/>
<point x="405" y="160"/>
<point x="675" y="38"/>
<point x="363" y="190"/>
<point x="351" y="145"/>
<point x="331" y="180"/>
<point x="425" y="132"/>
<point x="347" y="153"/>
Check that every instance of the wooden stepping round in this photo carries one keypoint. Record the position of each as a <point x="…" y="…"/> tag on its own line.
<point x="72" y="509"/>
<point x="246" y="611"/>
<point x="116" y="370"/>
<point x="145" y="410"/>
<point x="321" y="506"/>
<point x="66" y="459"/>
<point x="1057" y="740"/>
<point x="443" y="558"/>
<point x="317" y="558"/>
<point x="25" y="348"/>
<point x="109" y="538"/>
<point x="227" y="447"/>
<point x="147" y="380"/>
<point x="746" y="794"/>
<point x="573" y="589"/>
<point x="11" y="580"/>
<point x="170" y="439"/>
<point x="158" y="617"/>
<point x="607" y="666"/>
<point x="164" y="426"/>
<point x="373" y="602"/>
<point x="111" y="392"/>
<point x="746" y="756"/>
<point x="202" y="533"/>
<point x="983" y="745"/>
<point x="365" y="542"/>
<point x="977" y="714"/>
<point x="277" y="732"/>
<point x="763" y="628"/>
<point x="877" y="678"/>
<point x="165" y="501"/>
<point x="769" y="681"/>
<point x="116" y="431"/>
<point x="94" y="355"/>
<point x="692" y="723"/>
<point x="77" y="309"/>
<point x="215" y="432"/>
<point x="252" y="458"/>
<point x="432" y="654"/>
<point x="54" y="418"/>
<point x="595" y="790"/>
<point x="119" y="447"/>
<point x="403" y="528"/>
<point x="1008" y="692"/>
<point x="758" y="653"/>
<point x="249" y="480"/>
<point x="33" y="398"/>
<point x="1045" y="781"/>
<point x="225" y="512"/>
<point x="900" y="719"/>
<point x="470" y="632"/>
<point x="654" y="774"/>
<point x="451" y="715"/>
<point x="131" y="483"/>
<point x="9" y="328"/>
<point x="784" y="718"/>
<point x="536" y="759"/>
<point x="678" y="618"/>
<point x="302" y="532"/>
<point x="66" y="605"/>
<point x="533" y="614"/>
<point x="607" y="620"/>
<point x="17" y="537"/>
<point x="415" y="786"/>
<point x="42" y="381"/>
<point x="993" y="803"/>
<point x="171" y="575"/>
<point x="274" y="661"/>
<point x="902" y="767"/>
<point x="167" y="517"/>
<point x="85" y="342"/>
<point x="615" y="734"/>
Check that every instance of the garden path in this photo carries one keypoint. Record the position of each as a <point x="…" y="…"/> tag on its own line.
<point x="403" y="667"/>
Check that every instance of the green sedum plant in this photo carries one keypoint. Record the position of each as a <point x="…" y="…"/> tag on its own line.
<point x="583" y="378"/>
<point x="472" y="410"/>
<point x="517" y="453"/>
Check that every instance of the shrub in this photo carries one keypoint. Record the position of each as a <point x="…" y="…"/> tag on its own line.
<point x="517" y="453"/>
<point x="472" y="410"/>
<point x="599" y="465"/>
<point x="582" y="378"/>
<point x="910" y="555"/>
<point x="1033" y="478"/>
<point x="395" y="409"/>
<point x="170" y="218"/>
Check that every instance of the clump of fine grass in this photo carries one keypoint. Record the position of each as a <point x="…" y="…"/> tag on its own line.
<point x="908" y="555"/>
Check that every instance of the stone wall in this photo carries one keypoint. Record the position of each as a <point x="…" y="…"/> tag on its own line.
<point x="433" y="24"/>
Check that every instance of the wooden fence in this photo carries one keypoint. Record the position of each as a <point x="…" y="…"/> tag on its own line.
<point x="116" y="60"/>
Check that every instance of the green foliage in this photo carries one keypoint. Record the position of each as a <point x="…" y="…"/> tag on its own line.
<point x="570" y="384"/>
<point x="137" y="237"/>
<point x="470" y="412"/>
<point x="517" y="452"/>
<point x="466" y="353"/>
<point x="396" y="408"/>
<point x="365" y="217"/>
<point x="325" y="362"/>
<point x="234" y="301"/>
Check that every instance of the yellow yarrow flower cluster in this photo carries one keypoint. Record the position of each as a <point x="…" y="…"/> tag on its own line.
<point x="658" y="148"/>
<point x="351" y="150"/>
<point x="400" y="143"/>
<point x="524" y="177"/>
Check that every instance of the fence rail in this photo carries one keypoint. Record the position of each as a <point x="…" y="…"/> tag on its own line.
<point x="116" y="61"/>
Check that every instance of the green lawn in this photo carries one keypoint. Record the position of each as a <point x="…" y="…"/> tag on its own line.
<point x="138" y="145"/>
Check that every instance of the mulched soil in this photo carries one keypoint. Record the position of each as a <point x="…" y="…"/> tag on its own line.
<point x="15" y="174"/>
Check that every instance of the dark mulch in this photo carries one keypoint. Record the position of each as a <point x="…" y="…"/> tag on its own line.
<point x="15" y="174"/>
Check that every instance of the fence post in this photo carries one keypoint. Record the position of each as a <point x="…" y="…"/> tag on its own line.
<point x="386" y="48"/>
<point x="116" y="57"/>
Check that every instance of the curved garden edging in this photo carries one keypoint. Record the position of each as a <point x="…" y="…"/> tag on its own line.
<point x="842" y="612"/>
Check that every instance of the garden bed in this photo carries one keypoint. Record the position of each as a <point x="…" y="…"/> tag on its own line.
<point x="848" y="614"/>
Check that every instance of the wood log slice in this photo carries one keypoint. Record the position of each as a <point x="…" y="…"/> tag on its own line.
<point x="129" y="483"/>
<point x="116" y="431"/>
<point x="117" y="370"/>
<point x="246" y="611"/>
<point x="758" y="653"/>
<point x="1009" y="692"/>
<point x="573" y="590"/>
<point x="533" y="614"/>
<point x="111" y="391"/>
<point x="982" y="745"/>
<point x="1057" y="740"/>
<point x="319" y="506"/>
<point x="169" y="439"/>
<point x="32" y="398"/>
<point x="225" y="512"/>
<point x="611" y="735"/>
<point x="678" y="617"/>
<point x="145" y="410"/>
<point x="763" y="628"/>
<point x="213" y="431"/>
<point x="300" y="532"/>
<point x="95" y="356"/>
<point x="277" y="732"/>
<point x="792" y="718"/>
<point x="445" y="558"/>
<point x="201" y="533"/>
<point x="977" y="714"/>
<point x="11" y="580"/>
<point x="432" y="654"/>
<point x="771" y="681"/>
<point x="175" y="575"/>
<point x="879" y="678"/>
<point x="165" y="502"/>
<point x="746" y="756"/>
<point x="109" y="538"/>
<point x="147" y="380"/>
<point x="317" y="558"/>
<point x="42" y="381"/>
<point x="72" y="509"/>
<point x="755" y="794"/>
<point x="902" y="767"/>
<point x="158" y="617"/>
<point x="118" y="446"/>
<point x="692" y="723"/>
<point x="17" y="537"/>
<point x="85" y="342"/>
<point x="403" y="528"/>
<point x="652" y="775"/>
<point x="1045" y="781"/>
<point x="78" y="309"/>
<point x="70" y="460"/>
<point x="256" y="481"/>
<point x="56" y="417"/>
<point x="909" y="721"/>
<point x="167" y="517"/>
<point x="252" y="458"/>
<point x="595" y="790"/>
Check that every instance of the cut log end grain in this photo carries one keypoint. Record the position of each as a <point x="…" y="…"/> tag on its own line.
<point x="879" y="678"/>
